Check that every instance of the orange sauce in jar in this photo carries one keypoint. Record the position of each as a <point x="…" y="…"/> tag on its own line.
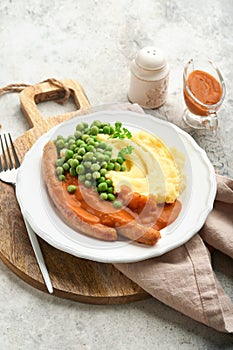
<point x="205" y="88"/>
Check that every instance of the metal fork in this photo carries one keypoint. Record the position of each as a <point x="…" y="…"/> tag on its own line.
<point x="9" y="167"/>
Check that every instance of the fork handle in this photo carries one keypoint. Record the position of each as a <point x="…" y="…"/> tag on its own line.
<point x="39" y="257"/>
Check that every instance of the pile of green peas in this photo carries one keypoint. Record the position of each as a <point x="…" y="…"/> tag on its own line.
<point x="83" y="155"/>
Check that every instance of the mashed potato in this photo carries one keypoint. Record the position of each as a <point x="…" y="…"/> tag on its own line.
<point x="150" y="168"/>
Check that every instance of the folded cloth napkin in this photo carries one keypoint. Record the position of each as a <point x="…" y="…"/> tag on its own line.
<point x="184" y="278"/>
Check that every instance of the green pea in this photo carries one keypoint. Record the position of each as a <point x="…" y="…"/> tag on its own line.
<point x="71" y="188"/>
<point x="110" y="189"/>
<point x="85" y="137"/>
<point x="112" y="130"/>
<point x="72" y="172"/>
<point x="87" y="164"/>
<point x="78" y="157"/>
<point x="68" y="154"/>
<point x="106" y="129"/>
<point x="60" y="143"/>
<point x="101" y="130"/>
<point x="104" y="165"/>
<point x="60" y="161"/>
<point x="109" y="182"/>
<point x="102" y="187"/>
<point x="89" y="148"/>
<point x="74" y="163"/>
<point x="117" y="167"/>
<point x="66" y="166"/>
<point x="59" y="170"/>
<point x="95" y="167"/>
<point x="90" y="140"/>
<point x="81" y="151"/>
<point x="80" y="127"/>
<point x="80" y="169"/>
<point x="108" y="153"/>
<point x="85" y="124"/>
<point x="110" y="166"/>
<point x="82" y="178"/>
<point x="61" y="177"/>
<point x="73" y="147"/>
<point x="88" y="156"/>
<point x="80" y="142"/>
<point x="97" y="123"/>
<point x="60" y="137"/>
<point x="102" y="145"/>
<point x="109" y="148"/>
<point x="75" y="155"/>
<point x="117" y="204"/>
<point x="78" y="134"/>
<point x="96" y="175"/>
<point x="103" y="172"/>
<point x="92" y="143"/>
<point x="111" y="197"/>
<point x="71" y="142"/>
<point x="106" y="158"/>
<point x="120" y="160"/>
<point x="101" y="179"/>
<point x="88" y="176"/>
<point x="94" y="130"/>
<point x="103" y="196"/>
<point x="87" y="183"/>
<point x="123" y="168"/>
<point x="100" y="157"/>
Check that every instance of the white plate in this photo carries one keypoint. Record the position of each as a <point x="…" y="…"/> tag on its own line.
<point x="197" y="199"/>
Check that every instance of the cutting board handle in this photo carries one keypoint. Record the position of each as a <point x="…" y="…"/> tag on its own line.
<point x="47" y="91"/>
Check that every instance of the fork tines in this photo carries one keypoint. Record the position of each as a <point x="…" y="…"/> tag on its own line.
<point x="9" y="158"/>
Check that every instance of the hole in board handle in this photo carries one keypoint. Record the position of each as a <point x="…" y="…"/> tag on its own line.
<point x="51" y="108"/>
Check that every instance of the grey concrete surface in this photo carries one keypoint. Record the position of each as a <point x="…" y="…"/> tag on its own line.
<point x="94" y="42"/>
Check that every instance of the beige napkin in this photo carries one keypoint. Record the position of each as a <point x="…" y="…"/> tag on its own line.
<point x="184" y="278"/>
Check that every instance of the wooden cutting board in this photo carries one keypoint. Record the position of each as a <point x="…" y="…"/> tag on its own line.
<point x="72" y="278"/>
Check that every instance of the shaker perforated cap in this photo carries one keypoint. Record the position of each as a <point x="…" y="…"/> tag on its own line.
<point x="150" y="58"/>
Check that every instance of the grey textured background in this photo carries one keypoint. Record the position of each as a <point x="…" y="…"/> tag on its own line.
<point x="94" y="42"/>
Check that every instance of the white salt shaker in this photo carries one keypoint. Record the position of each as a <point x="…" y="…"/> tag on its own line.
<point x="149" y="78"/>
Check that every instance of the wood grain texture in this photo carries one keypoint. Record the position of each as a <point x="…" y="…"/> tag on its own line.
<point x="72" y="278"/>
